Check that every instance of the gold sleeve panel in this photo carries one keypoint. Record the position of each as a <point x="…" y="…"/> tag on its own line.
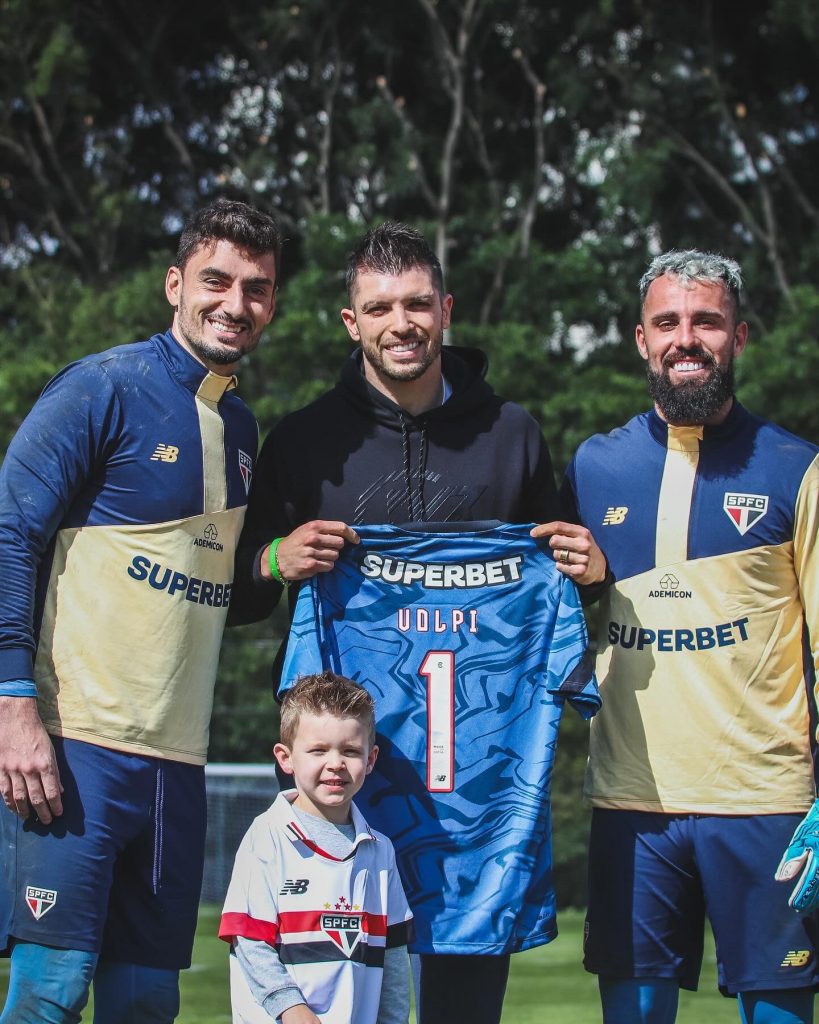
<point x="131" y="631"/>
<point x="704" y="696"/>
<point x="806" y="554"/>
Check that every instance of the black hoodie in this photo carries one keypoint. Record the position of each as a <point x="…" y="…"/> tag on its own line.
<point x="353" y="455"/>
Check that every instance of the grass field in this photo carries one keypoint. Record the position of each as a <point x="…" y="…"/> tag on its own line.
<point x="547" y="985"/>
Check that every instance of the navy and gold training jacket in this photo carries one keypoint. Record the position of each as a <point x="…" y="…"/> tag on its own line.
<point x="708" y="640"/>
<point x="121" y="501"/>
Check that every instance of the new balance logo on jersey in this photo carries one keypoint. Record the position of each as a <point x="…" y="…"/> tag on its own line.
<point x="615" y="515"/>
<point x="165" y="453"/>
<point x="40" y="901"/>
<point x="294" y="887"/>
<point x="796" y="958"/>
<point x="246" y="469"/>
<point x="745" y="510"/>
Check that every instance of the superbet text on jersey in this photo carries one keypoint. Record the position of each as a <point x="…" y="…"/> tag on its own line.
<point x="470" y="641"/>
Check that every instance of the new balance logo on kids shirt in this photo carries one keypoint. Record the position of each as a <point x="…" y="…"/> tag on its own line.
<point x="294" y="887"/>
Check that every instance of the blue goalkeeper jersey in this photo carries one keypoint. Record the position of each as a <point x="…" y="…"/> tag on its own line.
<point x="470" y="643"/>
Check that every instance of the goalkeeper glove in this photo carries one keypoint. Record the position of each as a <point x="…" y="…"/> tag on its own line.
<point x="802" y="858"/>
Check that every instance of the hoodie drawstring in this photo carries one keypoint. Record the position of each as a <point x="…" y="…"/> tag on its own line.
<point x="422" y="472"/>
<point x="415" y="515"/>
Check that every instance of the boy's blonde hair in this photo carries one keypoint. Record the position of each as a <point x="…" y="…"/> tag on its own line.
<point x="326" y="693"/>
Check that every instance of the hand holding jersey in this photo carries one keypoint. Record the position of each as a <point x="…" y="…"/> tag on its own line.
<point x="315" y="546"/>
<point x="576" y="552"/>
<point x="312" y="547"/>
<point x="802" y="858"/>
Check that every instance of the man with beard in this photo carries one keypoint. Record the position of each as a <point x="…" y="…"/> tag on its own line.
<point x="700" y="764"/>
<point x="121" y="501"/>
<point x="411" y="433"/>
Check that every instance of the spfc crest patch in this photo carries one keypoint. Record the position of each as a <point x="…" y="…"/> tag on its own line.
<point x="40" y="901"/>
<point x="343" y="927"/>
<point x="745" y="510"/>
<point x="246" y="469"/>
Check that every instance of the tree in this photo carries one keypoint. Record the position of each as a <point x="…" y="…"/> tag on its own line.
<point x="548" y="149"/>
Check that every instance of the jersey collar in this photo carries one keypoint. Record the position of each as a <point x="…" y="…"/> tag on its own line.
<point x="190" y="372"/>
<point x="296" y="833"/>
<point x="733" y="422"/>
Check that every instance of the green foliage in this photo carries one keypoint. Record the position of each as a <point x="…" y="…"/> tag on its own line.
<point x="774" y="369"/>
<point x="56" y="318"/>
<point x="303" y="349"/>
<point x="61" y="62"/>
<point x="245" y="722"/>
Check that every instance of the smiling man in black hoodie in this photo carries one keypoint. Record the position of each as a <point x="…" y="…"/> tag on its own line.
<point x="410" y="433"/>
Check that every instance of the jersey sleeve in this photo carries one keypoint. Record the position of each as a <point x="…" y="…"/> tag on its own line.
<point x="60" y="445"/>
<point x="265" y="976"/>
<point x="399" y="916"/>
<point x="306" y="649"/>
<point x="394" y="1004"/>
<point x="806" y="555"/>
<point x="251" y="908"/>
<point x="571" y="667"/>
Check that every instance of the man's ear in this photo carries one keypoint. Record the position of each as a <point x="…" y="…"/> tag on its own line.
<point x="446" y="311"/>
<point x="173" y="284"/>
<point x="740" y="337"/>
<point x="640" y="338"/>
<point x="348" y="317"/>
<point x="371" y="758"/>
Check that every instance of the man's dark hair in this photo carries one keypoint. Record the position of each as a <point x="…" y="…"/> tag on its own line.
<point x="392" y="248"/>
<point x="231" y="221"/>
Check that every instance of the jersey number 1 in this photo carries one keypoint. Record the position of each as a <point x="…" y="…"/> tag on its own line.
<point x="439" y="669"/>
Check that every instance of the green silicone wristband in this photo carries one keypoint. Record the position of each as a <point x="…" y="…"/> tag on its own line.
<point x="273" y="562"/>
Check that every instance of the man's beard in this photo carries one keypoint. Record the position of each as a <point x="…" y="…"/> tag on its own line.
<point x="689" y="404"/>
<point x="220" y="354"/>
<point x="404" y="373"/>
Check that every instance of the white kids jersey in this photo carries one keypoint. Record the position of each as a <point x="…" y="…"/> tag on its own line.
<point x="329" y="920"/>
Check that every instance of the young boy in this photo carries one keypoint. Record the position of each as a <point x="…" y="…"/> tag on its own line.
<point x="315" y="912"/>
